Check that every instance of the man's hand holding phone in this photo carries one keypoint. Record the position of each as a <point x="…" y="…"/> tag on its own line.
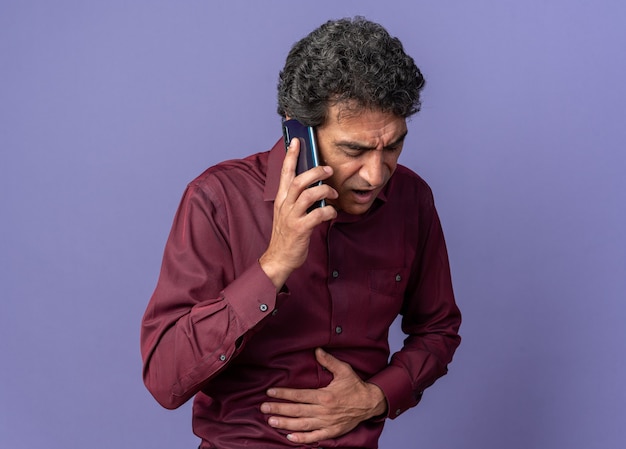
<point x="293" y="224"/>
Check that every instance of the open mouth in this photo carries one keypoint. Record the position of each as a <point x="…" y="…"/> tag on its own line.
<point x="364" y="195"/>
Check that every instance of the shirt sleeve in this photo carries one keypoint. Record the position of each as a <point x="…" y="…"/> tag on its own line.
<point x="204" y="307"/>
<point x="430" y="318"/>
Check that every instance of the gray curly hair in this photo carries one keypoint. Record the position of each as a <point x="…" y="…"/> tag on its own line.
<point x="354" y="62"/>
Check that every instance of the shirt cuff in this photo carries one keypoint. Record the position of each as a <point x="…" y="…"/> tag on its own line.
<point x="396" y="386"/>
<point x="252" y="296"/>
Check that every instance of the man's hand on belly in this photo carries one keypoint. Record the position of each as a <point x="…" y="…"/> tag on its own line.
<point x="313" y="415"/>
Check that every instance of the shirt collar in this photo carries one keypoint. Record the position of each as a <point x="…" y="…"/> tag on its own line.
<point x="274" y="166"/>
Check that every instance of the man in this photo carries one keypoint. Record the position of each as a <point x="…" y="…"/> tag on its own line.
<point x="276" y="319"/>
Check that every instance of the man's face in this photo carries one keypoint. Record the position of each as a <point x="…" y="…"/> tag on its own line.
<point x="362" y="147"/>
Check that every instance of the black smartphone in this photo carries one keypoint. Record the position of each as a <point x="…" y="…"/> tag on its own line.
<point x="309" y="156"/>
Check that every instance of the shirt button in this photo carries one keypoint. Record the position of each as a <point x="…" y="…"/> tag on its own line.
<point x="398" y="278"/>
<point x="263" y="307"/>
<point x="222" y="357"/>
<point x="398" y="412"/>
<point x="335" y="274"/>
<point x="274" y="312"/>
<point x="338" y="330"/>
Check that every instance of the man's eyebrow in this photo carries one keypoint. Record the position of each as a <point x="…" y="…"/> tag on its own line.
<point x="362" y="147"/>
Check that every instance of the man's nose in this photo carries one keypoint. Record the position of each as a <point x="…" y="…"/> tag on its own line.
<point x="373" y="169"/>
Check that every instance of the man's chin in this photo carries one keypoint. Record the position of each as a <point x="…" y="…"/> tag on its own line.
<point x="351" y="208"/>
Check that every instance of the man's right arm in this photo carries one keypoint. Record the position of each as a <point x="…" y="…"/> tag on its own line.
<point x="202" y="312"/>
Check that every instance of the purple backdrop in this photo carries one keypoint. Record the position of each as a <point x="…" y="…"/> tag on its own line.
<point x="108" y="109"/>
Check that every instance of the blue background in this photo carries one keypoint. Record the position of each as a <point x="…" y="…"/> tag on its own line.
<point x="108" y="109"/>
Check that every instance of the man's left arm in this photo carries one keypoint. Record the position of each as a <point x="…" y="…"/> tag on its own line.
<point x="431" y="319"/>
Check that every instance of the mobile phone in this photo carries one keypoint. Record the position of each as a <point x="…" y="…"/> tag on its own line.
<point x="309" y="156"/>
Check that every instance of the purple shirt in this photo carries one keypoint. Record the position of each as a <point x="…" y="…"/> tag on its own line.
<point x="215" y="327"/>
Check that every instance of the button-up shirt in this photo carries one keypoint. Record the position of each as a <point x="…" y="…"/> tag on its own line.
<point x="216" y="328"/>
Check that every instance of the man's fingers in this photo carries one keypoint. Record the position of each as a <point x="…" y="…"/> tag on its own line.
<point x="288" y="170"/>
<point x="302" y="431"/>
<point x="310" y="437"/>
<point x="313" y="175"/>
<point x="295" y="395"/>
<point x="331" y="363"/>
<point x="304" y="424"/>
<point x="294" y="424"/>
<point x="285" y="415"/>
<point x="300" y="186"/>
<point x="286" y="409"/>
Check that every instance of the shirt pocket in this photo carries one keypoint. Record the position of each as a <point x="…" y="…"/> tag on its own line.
<point x="386" y="293"/>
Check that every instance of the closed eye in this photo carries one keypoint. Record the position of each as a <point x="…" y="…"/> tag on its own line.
<point x="393" y="148"/>
<point x="355" y="149"/>
<point x="352" y="151"/>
